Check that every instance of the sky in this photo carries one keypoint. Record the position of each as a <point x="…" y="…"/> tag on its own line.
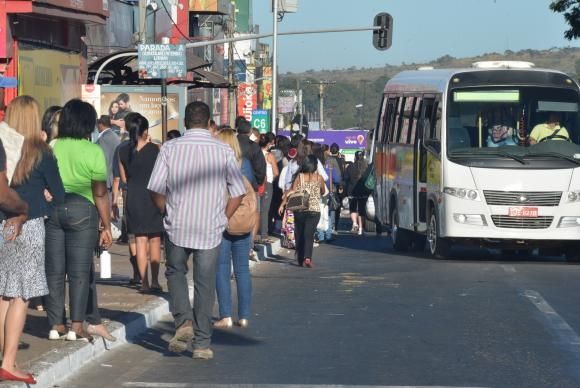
<point x="424" y="30"/>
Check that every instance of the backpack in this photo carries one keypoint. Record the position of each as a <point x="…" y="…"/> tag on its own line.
<point x="244" y="218"/>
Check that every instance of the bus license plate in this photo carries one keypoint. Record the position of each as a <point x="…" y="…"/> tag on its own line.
<point x="529" y="212"/>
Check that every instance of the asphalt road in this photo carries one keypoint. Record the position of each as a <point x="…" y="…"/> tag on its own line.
<point x="365" y="316"/>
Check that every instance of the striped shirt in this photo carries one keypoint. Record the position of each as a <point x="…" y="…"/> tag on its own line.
<point x="196" y="173"/>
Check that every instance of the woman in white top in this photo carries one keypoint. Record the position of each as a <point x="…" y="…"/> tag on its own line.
<point x="267" y="142"/>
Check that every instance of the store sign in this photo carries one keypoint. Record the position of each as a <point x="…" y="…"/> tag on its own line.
<point x="261" y="120"/>
<point x="346" y="139"/>
<point x="162" y="61"/>
<point x="247" y="100"/>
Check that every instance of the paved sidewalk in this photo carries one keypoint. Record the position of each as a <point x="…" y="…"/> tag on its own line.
<point x="126" y="313"/>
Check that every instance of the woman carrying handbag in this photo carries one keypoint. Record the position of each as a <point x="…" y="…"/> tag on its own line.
<point x="303" y="199"/>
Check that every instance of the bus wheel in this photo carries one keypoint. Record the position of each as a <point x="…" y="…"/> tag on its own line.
<point x="401" y="238"/>
<point x="438" y="247"/>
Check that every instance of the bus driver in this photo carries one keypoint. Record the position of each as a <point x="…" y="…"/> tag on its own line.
<point x="551" y="130"/>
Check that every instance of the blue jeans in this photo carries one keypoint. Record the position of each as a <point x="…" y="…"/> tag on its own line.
<point x="327" y="234"/>
<point x="204" y="278"/>
<point x="71" y="237"/>
<point x="236" y="249"/>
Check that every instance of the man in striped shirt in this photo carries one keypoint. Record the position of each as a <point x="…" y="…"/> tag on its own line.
<point x="198" y="184"/>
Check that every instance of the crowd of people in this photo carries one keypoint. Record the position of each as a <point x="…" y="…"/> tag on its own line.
<point x="212" y="193"/>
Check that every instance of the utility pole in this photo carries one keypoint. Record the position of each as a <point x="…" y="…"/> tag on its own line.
<point x="321" y="94"/>
<point x="275" y="66"/>
<point x="231" y="90"/>
<point x="364" y="102"/>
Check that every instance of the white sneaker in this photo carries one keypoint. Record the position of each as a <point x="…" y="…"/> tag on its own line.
<point x="360" y="231"/>
<point x="54" y="335"/>
<point x="354" y="229"/>
<point x="71" y="336"/>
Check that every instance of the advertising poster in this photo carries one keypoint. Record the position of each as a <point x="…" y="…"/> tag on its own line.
<point x="203" y="5"/>
<point x="356" y="139"/>
<point x="266" y="94"/>
<point x="91" y="93"/>
<point x="147" y="101"/>
<point x="247" y="100"/>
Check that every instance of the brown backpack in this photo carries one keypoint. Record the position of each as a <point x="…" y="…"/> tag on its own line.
<point x="244" y="218"/>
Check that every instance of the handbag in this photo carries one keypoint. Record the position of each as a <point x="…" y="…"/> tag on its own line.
<point x="333" y="201"/>
<point x="370" y="180"/>
<point x="244" y="218"/>
<point x="298" y="200"/>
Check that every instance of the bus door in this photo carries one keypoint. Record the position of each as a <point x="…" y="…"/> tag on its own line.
<point x="390" y="158"/>
<point x="430" y="155"/>
<point x="392" y="118"/>
<point x="379" y="159"/>
<point x="420" y="163"/>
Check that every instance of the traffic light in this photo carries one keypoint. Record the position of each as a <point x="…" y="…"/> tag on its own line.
<point x="383" y="37"/>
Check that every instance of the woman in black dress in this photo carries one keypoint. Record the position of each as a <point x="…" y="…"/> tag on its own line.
<point x="136" y="162"/>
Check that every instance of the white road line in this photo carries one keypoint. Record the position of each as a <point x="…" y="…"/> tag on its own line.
<point x="139" y="384"/>
<point x="509" y="268"/>
<point x="554" y="321"/>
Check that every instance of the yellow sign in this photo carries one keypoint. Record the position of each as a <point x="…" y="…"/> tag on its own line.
<point x="51" y="77"/>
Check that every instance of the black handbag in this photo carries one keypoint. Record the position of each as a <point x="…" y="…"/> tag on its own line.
<point x="298" y="200"/>
<point x="333" y="200"/>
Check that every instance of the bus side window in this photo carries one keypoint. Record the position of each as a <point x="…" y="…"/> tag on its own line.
<point x="407" y="120"/>
<point x="432" y="125"/>
<point x="398" y="129"/>
<point x="380" y="128"/>
<point x="415" y="117"/>
<point x="390" y="120"/>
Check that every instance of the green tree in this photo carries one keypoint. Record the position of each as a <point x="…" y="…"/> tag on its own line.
<point x="571" y="11"/>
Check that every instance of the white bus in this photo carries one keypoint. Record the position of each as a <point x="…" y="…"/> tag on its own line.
<point x="456" y="160"/>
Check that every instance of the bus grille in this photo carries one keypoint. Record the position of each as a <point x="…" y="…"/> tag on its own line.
<point x="522" y="198"/>
<point x="522" y="222"/>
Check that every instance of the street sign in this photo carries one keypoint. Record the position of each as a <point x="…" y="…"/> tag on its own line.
<point x="162" y="61"/>
<point x="261" y="120"/>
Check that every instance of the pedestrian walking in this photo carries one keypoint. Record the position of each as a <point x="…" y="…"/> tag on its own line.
<point x="189" y="183"/>
<point x="310" y="181"/>
<point x="73" y="227"/>
<point x="234" y="250"/>
<point x="108" y="140"/>
<point x="358" y="196"/>
<point x="272" y="172"/>
<point x="144" y="220"/>
<point x="22" y="274"/>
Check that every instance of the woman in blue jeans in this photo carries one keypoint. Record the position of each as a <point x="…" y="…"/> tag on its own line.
<point x="73" y="228"/>
<point x="234" y="249"/>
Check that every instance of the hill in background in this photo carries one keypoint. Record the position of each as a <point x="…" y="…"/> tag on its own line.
<point x="365" y="85"/>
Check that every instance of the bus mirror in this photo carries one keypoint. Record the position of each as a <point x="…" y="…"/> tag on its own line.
<point x="434" y="144"/>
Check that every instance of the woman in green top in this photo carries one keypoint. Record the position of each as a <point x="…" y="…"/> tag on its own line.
<point x="73" y="228"/>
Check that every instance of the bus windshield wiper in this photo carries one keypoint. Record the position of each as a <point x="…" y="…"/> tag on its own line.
<point x="466" y="154"/>
<point x="554" y="155"/>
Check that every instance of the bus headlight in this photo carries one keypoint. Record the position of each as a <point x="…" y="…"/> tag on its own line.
<point x="573" y="196"/>
<point x="463" y="193"/>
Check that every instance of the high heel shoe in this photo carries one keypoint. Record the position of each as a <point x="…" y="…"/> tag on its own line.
<point x="7" y="376"/>
<point x="101" y="331"/>
<point x="224" y="323"/>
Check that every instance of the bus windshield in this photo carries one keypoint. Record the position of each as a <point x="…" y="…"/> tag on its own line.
<point x="514" y="123"/>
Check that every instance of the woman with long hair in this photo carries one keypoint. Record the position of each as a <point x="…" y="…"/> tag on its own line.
<point x="272" y="172"/>
<point x="73" y="226"/>
<point x="234" y="249"/>
<point x="136" y="162"/>
<point x="113" y="114"/>
<point x="22" y="274"/>
<point x="355" y="190"/>
<point x="305" y="221"/>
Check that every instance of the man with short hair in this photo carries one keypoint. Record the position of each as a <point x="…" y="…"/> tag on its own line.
<point x="550" y="130"/>
<point x="108" y="141"/>
<point x="191" y="176"/>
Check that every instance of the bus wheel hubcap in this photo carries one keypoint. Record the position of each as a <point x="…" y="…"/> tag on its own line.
<point x="432" y="236"/>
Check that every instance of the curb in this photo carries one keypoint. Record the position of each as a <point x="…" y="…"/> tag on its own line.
<point x="55" y="366"/>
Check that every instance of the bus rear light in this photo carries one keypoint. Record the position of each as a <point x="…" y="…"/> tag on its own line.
<point x="470" y="219"/>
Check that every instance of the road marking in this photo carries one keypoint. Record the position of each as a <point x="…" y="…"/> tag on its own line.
<point x="555" y="322"/>
<point x="139" y="384"/>
<point x="509" y="268"/>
